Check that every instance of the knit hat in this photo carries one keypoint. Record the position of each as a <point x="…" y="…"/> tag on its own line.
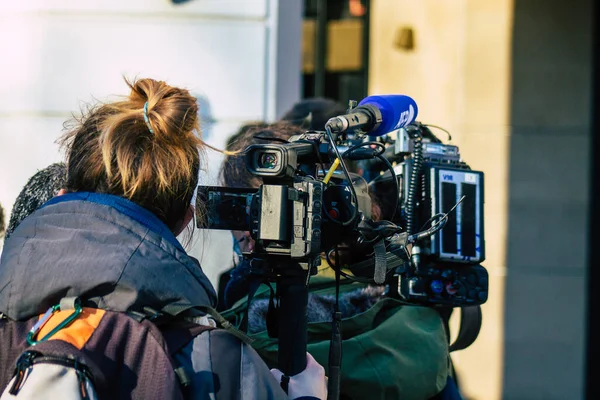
<point x="2" y="223"/>
<point x="40" y="188"/>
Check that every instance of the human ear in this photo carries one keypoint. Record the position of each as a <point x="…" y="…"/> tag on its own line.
<point x="189" y="215"/>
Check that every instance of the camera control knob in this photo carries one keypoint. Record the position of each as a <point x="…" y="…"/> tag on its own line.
<point x="334" y="213"/>
<point x="452" y="288"/>
<point x="437" y="286"/>
<point x="316" y="220"/>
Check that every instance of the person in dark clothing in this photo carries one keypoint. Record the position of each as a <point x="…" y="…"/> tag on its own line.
<point x="110" y="238"/>
<point x="313" y="113"/>
<point x="235" y="174"/>
<point x="430" y="379"/>
<point x="233" y="171"/>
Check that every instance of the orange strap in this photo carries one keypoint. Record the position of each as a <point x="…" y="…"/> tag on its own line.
<point x="79" y="331"/>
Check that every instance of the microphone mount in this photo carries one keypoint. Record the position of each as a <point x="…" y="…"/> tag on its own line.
<point x="366" y="117"/>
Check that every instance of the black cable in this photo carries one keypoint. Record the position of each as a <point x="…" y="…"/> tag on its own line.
<point x="443" y="215"/>
<point x="337" y="279"/>
<point x="335" y="346"/>
<point x="415" y="175"/>
<point x="441" y="129"/>
<point x="318" y="153"/>
<point x="432" y="219"/>
<point x="342" y="273"/>
<point x="381" y="149"/>
<point x="442" y="219"/>
<point x="354" y="278"/>
<point x="347" y="174"/>
<point x="381" y="146"/>
<point x="395" y="178"/>
<point x="383" y="230"/>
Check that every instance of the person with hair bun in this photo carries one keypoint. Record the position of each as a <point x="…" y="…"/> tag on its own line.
<point x="109" y="239"/>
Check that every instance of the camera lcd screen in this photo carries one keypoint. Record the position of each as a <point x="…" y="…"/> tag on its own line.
<point x="224" y="208"/>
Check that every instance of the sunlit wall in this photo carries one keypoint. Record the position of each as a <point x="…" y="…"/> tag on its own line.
<point x="459" y="74"/>
<point x="240" y="57"/>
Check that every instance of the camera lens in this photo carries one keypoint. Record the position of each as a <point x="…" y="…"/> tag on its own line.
<point x="267" y="160"/>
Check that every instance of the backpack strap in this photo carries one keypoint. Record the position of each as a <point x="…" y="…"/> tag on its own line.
<point x="177" y="336"/>
<point x="470" y="325"/>
<point x="175" y="312"/>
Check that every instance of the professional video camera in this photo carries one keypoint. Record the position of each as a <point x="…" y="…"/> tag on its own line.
<point x="432" y="188"/>
<point x="305" y="208"/>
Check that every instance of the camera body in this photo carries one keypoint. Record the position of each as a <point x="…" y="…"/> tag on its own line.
<point x="293" y="214"/>
<point x="445" y="267"/>
<point x="428" y="252"/>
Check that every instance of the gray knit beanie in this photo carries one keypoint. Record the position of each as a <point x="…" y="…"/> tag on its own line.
<point x="40" y="188"/>
<point x="2" y="223"/>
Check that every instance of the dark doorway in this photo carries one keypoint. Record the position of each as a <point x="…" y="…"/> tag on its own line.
<point x="593" y="316"/>
<point x="336" y="49"/>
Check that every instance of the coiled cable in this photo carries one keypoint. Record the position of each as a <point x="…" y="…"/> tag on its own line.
<point x="415" y="176"/>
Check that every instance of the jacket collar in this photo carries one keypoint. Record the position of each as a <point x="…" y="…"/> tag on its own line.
<point x="124" y="206"/>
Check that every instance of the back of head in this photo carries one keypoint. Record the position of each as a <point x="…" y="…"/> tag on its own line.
<point x="237" y="139"/>
<point x="234" y="172"/>
<point x="40" y="188"/>
<point x="384" y="197"/>
<point x="313" y="113"/>
<point x="144" y="148"/>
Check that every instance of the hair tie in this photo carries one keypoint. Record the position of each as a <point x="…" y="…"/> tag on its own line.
<point x="146" y="118"/>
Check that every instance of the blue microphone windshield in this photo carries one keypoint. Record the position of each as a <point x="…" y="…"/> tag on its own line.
<point x="396" y="110"/>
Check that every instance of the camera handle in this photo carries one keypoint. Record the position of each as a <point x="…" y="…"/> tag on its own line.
<point x="293" y="299"/>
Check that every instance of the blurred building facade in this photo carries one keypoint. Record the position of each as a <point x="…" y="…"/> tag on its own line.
<point x="512" y="81"/>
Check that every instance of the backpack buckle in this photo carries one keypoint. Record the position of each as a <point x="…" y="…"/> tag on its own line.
<point x="75" y="305"/>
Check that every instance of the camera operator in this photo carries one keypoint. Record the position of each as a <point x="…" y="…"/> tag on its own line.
<point x="234" y="174"/>
<point x="389" y="350"/>
<point x="110" y="241"/>
<point x="307" y="114"/>
<point x="313" y="113"/>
